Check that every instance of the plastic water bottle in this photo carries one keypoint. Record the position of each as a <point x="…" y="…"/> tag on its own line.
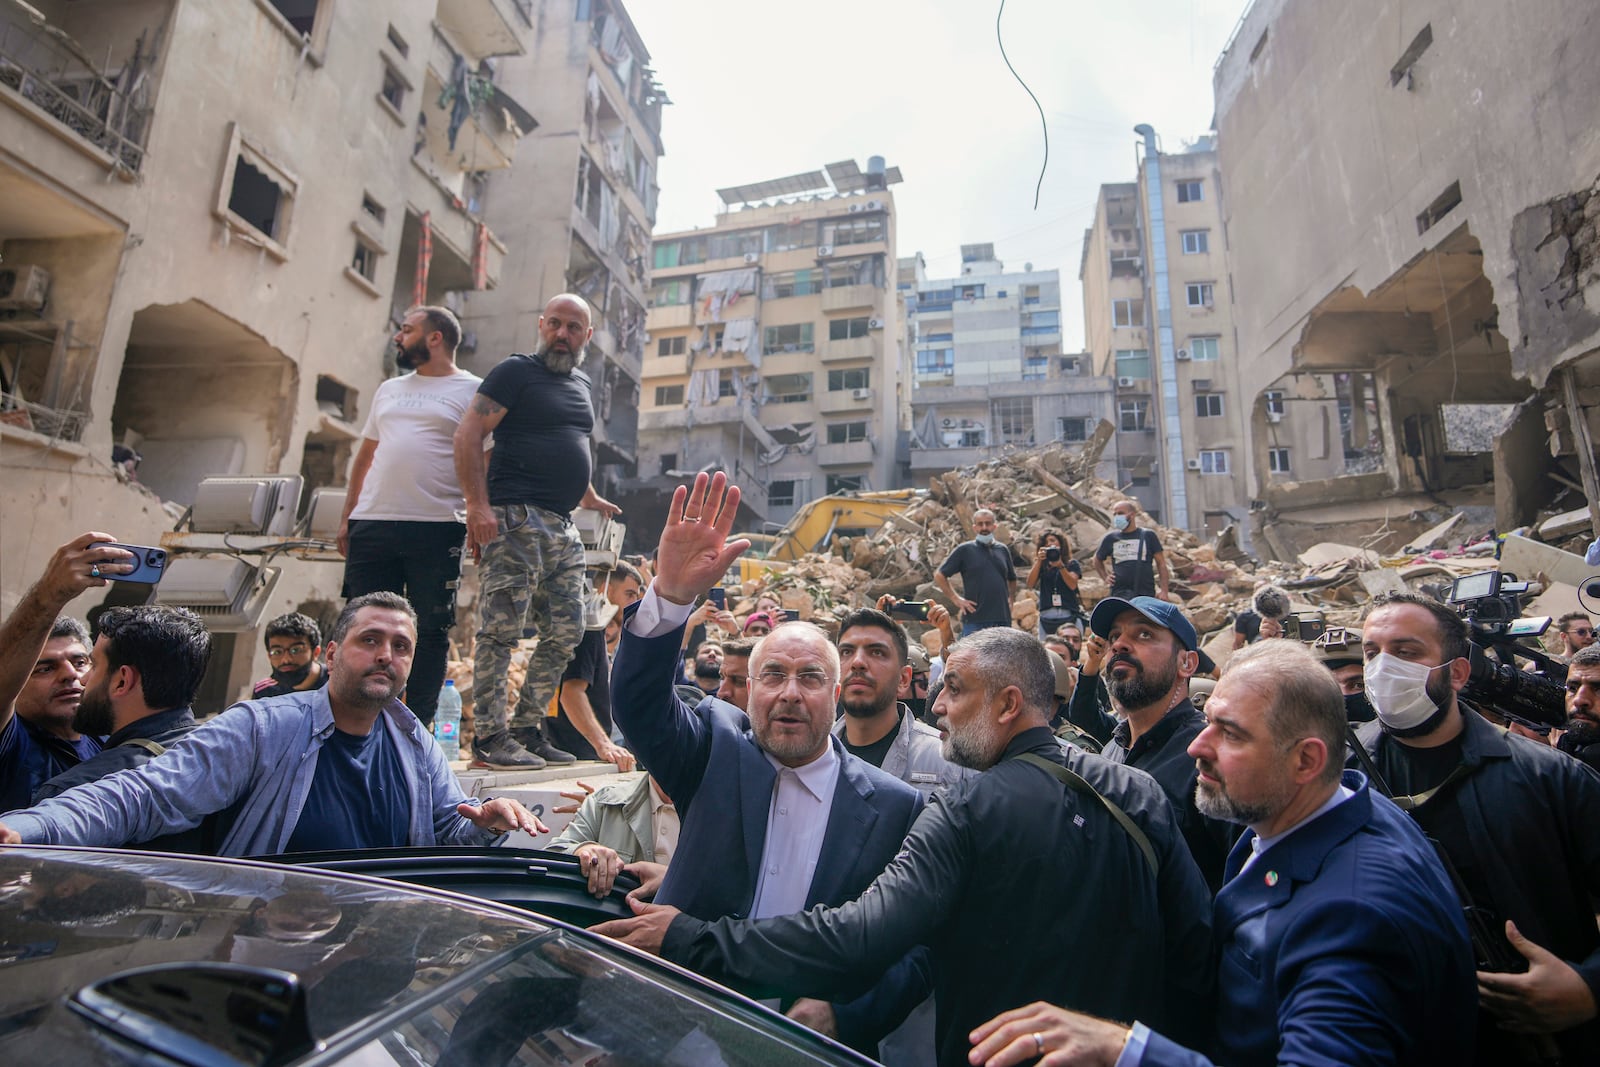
<point x="447" y="721"/>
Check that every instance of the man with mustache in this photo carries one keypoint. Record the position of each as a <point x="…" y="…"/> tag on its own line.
<point x="402" y="529"/>
<point x="1581" y="738"/>
<point x="776" y="815"/>
<point x="346" y="766"/>
<point x="519" y="524"/>
<point x="43" y="655"/>
<point x="1340" y="939"/>
<point x="1515" y="818"/>
<point x="1151" y="651"/>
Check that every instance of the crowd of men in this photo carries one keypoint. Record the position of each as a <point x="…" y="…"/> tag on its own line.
<point x="992" y="847"/>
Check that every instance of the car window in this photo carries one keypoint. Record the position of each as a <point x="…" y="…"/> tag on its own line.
<point x="558" y="1001"/>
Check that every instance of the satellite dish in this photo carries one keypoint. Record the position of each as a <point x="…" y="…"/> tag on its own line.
<point x="1589" y="594"/>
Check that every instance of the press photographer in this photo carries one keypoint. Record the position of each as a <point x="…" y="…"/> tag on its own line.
<point x="1513" y="816"/>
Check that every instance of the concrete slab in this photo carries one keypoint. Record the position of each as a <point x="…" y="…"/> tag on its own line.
<point x="1525" y="558"/>
<point x="1434" y="538"/>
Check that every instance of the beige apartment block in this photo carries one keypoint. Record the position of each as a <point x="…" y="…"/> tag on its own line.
<point x="988" y="371"/>
<point x="1158" y="319"/>
<point x="210" y="214"/>
<point x="1411" y="204"/>
<point x="577" y="210"/>
<point x="776" y="348"/>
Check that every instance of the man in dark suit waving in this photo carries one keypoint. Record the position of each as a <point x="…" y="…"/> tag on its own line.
<point x="776" y="815"/>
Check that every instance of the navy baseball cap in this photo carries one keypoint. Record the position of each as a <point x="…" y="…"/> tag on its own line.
<point x="1163" y="614"/>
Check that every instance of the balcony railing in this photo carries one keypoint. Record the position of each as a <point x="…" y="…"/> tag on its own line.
<point x="51" y="422"/>
<point x="55" y="77"/>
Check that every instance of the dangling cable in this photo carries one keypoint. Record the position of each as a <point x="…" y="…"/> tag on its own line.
<point x="1042" y="124"/>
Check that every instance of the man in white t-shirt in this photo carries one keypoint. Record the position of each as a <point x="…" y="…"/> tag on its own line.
<point x="403" y="526"/>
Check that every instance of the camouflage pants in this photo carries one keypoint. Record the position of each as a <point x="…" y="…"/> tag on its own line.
<point x="532" y="571"/>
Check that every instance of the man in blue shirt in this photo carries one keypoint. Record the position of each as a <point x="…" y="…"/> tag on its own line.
<point x="346" y="766"/>
<point x="43" y="657"/>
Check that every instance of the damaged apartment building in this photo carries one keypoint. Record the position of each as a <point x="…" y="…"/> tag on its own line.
<point x="211" y="218"/>
<point x="776" y="346"/>
<point x="989" y="375"/>
<point x="1412" y="200"/>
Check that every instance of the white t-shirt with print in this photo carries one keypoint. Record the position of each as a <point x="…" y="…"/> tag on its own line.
<point x="413" y="474"/>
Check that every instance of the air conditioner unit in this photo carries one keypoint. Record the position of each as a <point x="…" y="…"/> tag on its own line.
<point x="824" y="251"/>
<point x="874" y="205"/>
<point x="948" y="423"/>
<point x="874" y="324"/>
<point x="861" y="394"/>
<point x="1200" y="384"/>
<point x="601" y="537"/>
<point x="1181" y="354"/>
<point x="1124" y="383"/>
<point x="263" y="504"/>
<point x="1274" y="416"/>
<point x="857" y="208"/>
<point x="752" y="257"/>
<point x="1192" y="464"/>
<point x="24" y="288"/>
<point x="229" y="594"/>
<point x="325" y="514"/>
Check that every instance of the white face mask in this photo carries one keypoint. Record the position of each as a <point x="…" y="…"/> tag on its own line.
<point x="1119" y="522"/>
<point x="1397" y="689"/>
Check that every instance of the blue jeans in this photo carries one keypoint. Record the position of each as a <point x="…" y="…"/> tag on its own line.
<point x="422" y="562"/>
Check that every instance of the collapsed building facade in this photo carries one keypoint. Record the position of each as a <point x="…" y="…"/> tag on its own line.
<point x="1410" y="210"/>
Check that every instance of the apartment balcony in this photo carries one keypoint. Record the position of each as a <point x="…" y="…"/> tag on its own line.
<point x="725" y="412"/>
<point x="848" y="454"/>
<point x="487" y="27"/>
<point x="102" y="109"/>
<point x="665" y="367"/>
<point x="850" y="297"/>
<point x="451" y="224"/>
<point x="844" y="401"/>
<point x="855" y="348"/>
<point x="487" y="138"/>
<point x="671" y="316"/>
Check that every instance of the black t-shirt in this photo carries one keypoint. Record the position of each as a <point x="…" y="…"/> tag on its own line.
<point x="541" y="445"/>
<point x="1132" y="556"/>
<point x="1249" y="624"/>
<point x="875" y="752"/>
<point x="1055" y="595"/>
<point x="358" y="796"/>
<point x="1409" y="771"/>
<point x="984" y="570"/>
<point x="588" y="664"/>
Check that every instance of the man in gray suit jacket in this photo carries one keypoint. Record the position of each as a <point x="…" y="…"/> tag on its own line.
<point x="776" y="816"/>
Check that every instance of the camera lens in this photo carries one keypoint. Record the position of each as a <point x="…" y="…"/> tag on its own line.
<point x="153" y="559"/>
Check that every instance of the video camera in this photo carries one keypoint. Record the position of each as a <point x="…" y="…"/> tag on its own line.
<point x="1491" y="603"/>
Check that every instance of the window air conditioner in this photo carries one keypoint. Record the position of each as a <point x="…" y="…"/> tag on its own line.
<point x="824" y="251"/>
<point x="948" y="423"/>
<point x="229" y="594"/>
<point x="266" y="504"/>
<point x="1200" y="384"/>
<point x="874" y="324"/>
<point x="1124" y="383"/>
<point x="874" y="205"/>
<point x="861" y="394"/>
<point x="1181" y="354"/>
<point x="24" y="288"/>
<point x="752" y="257"/>
<point x="857" y="208"/>
<point x="325" y="513"/>
<point x="1192" y="464"/>
<point x="1274" y="416"/>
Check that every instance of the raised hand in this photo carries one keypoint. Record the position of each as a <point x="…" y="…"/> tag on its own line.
<point x="695" y="552"/>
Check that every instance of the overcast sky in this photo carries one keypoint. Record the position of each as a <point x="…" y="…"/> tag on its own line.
<point x="762" y="90"/>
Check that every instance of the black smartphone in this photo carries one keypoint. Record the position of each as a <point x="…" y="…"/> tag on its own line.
<point x="910" y="609"/>
<point x="149" y="564"/>
<point x="1052" y="554"/>
<point x="719" y="597"/>
<point x="791" y="614"/>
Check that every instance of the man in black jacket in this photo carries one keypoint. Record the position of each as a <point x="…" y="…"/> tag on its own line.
<point x="1150" y="652"/>
<point x="1515" y="818"/>
<point x="1022" y="885"/>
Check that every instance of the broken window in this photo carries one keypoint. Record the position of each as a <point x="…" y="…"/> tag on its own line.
<point x="1073" y="428"/>
<point x="300" y="14"/>
<point x="853" y="378"/>
<point x="844" y="329"/>
<point x="843" y="483"/>
<point x="393" y="88"/>
<point x="1200" y="294"/>
<point x="1208" y="406"/>
<point x="780" y="493"/>
<point x="669" y="395"/>
<point x="1014" y="417"/>
<point x="1278" y="460"/>
<point x="787" y="389"/>
<point x="1196" y="241"/>
<point x="255" y="198"/>
<point x="843" y="433"/>
<point x="671" y="346"/>
<point x="725" y="385"/>
<point x="336" y="398"/>
<point x="1133" y="415"/>
<point x="1472" y="428"/>
<point x="364" y="261"/>
<point x="1190" y="192"/>
<point x="256" y="195"/>
<point x="1214" y="461"/>
<point x="372" y="208"/>
<point x="1127" y="312"/>
<point x="669" y="462"/>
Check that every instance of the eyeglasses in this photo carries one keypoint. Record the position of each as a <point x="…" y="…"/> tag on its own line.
<point x="775" y="678"/>
<point x="292" y="650"/>
<point x="1585" y="632"/>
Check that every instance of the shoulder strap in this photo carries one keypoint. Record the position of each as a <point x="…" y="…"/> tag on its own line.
<point x="1078" y="784"/>
<point x="155" y="748"/>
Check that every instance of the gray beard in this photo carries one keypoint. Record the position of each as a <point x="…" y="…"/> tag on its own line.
<point x="561" y="362"/>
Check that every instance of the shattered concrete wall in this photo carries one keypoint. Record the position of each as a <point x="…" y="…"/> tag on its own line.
<point x="1556" y="246"/>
